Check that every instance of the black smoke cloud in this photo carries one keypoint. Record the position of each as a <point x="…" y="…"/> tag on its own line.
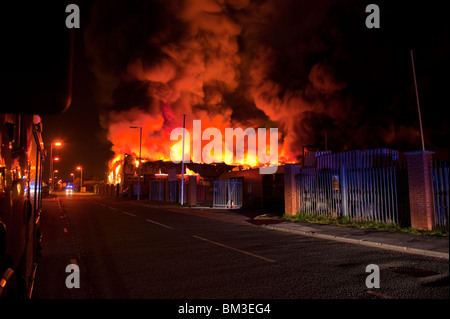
<point x="310" y="68"/>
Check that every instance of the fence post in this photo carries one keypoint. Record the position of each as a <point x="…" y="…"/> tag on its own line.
<point x="290" y="189"/>
<point x="343" y="187"/>
<point x="420" y="181"/>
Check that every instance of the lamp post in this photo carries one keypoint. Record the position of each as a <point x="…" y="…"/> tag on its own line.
<point x="57" y="144"/>
<point x="139" y="168"/>
<point x="182" y="163"/>
<point x="80" y="168"/>
<point x="53" y="171"/>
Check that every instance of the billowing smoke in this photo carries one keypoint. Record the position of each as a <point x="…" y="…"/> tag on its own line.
<point x="300" y="66"/>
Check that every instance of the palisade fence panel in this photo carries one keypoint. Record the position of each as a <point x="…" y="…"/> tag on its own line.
<point x="157" y="189"/>
<point x="362" y="185"/>
<point x="441" y="194"/>
<point x="173" y="191"/>
<point x="220" y="193"/>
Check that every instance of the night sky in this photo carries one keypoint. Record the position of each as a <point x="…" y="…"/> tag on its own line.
<point x="309" y="68"/>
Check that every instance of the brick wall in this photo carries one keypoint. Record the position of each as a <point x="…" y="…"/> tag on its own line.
<point x="420" y="189"/>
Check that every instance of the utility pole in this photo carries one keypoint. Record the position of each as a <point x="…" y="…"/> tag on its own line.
<point x="417" y="98"/>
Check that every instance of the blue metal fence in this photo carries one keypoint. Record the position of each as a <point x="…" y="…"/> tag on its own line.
<point x="441" y="194"/>
<point x="362" y="185"/>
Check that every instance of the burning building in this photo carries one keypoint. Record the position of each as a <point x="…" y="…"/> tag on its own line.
<point x="160" y="180"/>
<point x="214" y="184"/>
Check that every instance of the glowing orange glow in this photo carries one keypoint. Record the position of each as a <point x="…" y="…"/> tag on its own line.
<point x="190" y="172"/>
<point x="156" y="143"/>
<point x="115" y="170"/>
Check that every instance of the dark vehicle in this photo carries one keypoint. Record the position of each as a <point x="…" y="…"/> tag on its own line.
<point x="35" y="79"/>
<point x="21" y="166"/>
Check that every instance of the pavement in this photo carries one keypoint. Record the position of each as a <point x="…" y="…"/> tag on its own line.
<point x="425" y="245"/>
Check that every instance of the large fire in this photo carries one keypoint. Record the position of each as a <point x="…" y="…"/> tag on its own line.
<point x="156" y="144"/>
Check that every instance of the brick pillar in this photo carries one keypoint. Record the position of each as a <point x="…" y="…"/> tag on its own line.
<point x="192" y="191"/>
<point x="290" y="189"/>
<point x="420" y="180"/>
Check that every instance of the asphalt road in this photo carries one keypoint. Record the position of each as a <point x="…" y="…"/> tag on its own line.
<point x="131" y="250"/>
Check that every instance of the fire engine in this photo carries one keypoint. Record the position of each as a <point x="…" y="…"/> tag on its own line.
<point x="21" y="167"/>
<point x="35" y="80"/>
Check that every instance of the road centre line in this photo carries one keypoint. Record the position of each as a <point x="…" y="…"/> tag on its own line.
<point x="235" y="249"/>
<point x="129" y="213"/>
<point x="152" y="221"/>
<point x="201" y="238"/>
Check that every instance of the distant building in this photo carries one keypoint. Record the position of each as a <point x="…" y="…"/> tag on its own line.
<point x="161" y="181"/>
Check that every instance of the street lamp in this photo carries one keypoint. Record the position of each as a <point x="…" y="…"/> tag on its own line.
<point x="73" y="178"/>
<point x="81" y="176"/>
<point x="139" y="169"/>
<point x="57" y="144"/>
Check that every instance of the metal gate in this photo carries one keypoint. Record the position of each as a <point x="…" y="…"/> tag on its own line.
<point x="234" y="193"/>
<point x="227" y="193"/>
<point x="220" y="194"/>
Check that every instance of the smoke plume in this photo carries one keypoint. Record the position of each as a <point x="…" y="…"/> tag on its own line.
<point x="309" y="68"/>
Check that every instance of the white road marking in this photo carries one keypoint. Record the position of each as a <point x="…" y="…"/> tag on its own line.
<point x="235" y="249"/>
<point x="152" y="221"/>
<point x="112" y="208"/>
<point x="129" y="213"/>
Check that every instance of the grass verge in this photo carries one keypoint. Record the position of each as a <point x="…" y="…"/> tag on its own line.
<point x="345" y="221"/>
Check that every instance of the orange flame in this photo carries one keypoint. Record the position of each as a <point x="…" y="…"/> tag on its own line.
<point x="156" y="144"/>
